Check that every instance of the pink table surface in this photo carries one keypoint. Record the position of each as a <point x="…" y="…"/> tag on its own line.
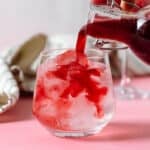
<point x="129" y="129"/>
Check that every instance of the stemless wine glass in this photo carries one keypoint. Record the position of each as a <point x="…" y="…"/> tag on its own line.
<point x="127" y="88"/>
<point x="73" y="98"/>
<point x="132" y="17"/>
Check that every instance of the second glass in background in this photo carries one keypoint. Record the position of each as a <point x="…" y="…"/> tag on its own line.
<point x="111" y="18"/>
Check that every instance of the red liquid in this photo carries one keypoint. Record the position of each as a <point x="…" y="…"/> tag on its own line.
<point x="123" y="30"/>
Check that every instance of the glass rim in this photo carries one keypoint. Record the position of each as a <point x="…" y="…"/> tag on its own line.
<point x="47" y="51"/>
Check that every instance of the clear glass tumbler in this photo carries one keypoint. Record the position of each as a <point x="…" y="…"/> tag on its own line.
<point x="73" y="98"/>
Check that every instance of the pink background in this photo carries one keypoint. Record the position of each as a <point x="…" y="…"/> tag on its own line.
<point x="129" y="129"/>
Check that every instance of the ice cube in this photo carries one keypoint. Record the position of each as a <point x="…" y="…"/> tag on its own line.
<point x="47" y="108"/>
<point x="66" y="58"/>
<point x="82" y="113"/>
<point x="54" y="87"/>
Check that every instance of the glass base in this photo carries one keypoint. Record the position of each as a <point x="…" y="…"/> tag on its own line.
<point x="74" y="134"/>
<point x="130" y="92"/>
<point x="83" y="133"/>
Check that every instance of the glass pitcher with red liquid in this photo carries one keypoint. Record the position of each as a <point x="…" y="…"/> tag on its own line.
<point x="125" y="24"/>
